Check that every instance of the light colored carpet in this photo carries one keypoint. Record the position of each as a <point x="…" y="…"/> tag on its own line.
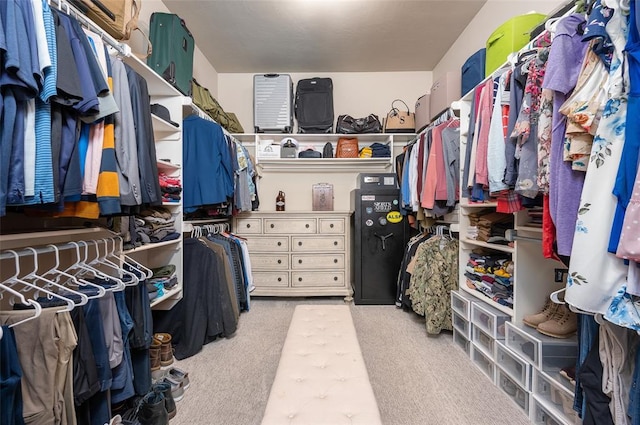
<point x="417" y="379"/>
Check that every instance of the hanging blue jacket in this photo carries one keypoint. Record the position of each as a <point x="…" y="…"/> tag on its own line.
<point x="207" y="164"/>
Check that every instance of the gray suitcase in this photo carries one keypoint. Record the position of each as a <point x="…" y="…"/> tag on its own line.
<point x="272" y="103"/>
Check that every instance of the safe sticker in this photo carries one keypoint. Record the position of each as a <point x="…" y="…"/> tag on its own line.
<point x="382" y="207"/>
<point x="394" y="217"/>
<point x="368" y="197"/>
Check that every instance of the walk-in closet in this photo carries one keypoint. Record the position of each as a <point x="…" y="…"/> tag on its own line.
<point x="319" y="212"/>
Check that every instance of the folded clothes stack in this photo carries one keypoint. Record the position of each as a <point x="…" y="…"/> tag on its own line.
<point x="165" y="276"/>
<point x="491" y="274"/>
<point x="155" y="224"/>
<point x="171" y="188"/>
<point x="380" y="150"/>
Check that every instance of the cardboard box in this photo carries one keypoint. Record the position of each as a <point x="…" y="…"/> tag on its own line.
<point x="322" y="197"/>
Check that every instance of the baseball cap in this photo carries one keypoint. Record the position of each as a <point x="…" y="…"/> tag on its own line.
<point x="162" y="112"/>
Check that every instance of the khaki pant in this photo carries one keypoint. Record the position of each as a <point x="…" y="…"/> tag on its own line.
<point x="45" y="349"/>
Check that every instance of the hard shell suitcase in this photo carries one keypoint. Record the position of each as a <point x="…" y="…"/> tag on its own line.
<point x="314" y="105"/>
<point x="172" y="55"/>
<point x="510" y="37"/>
<point x="472" y="70"/>
<point x="422" y="113"/>
<point x="272" y="103"/>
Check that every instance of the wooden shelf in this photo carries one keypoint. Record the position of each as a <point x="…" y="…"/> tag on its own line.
<point x="171" y="204"/>
<point x="149" y="246"/>
<point x="168" y="294"/>
<point x="157" y="85"/>
<point x="323" y="164"/>
<point x="503" y="248"/>
<point x="464" y="203"/>
<point x="479" y="295"/>
<point x="168" y="167"/>
<point x="532" y="229"/>
<point x="162" y="126"/>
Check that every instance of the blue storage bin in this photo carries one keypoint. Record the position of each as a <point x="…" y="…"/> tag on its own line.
<point x="473" y="70"/>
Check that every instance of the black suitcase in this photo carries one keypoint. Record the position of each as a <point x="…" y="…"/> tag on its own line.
<point x="314" y="105"/>
<point x="172" y="55"/>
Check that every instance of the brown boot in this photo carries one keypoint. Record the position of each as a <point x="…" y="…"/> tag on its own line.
<point x="563" y="324"/>
<point x="545" y="314"/>
<point x="166" y="350"/>
<point x="154" y="354"/>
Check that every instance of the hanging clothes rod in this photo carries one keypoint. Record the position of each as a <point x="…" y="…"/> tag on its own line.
<point x="65" y="6"/>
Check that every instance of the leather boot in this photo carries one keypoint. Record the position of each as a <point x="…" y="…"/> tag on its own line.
<point x="563" y="324"/>
<point x="545" y="314"/>
<point x="152" y="410"/>
<point x="154" y="354"/>
<point x="169" y="403"/>
<point x="166" y="350"/>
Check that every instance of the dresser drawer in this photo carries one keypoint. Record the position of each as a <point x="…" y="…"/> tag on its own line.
<point x="290" y="226"/>
<point x="304" y="279"/>
<point x="461" y="304"/>
<point x="278" y="279"/>
<point x="326" y="243"/>
<point x="275" y="244"/>
<point x="332" y="225"/>
<point x="269" y="262"/>
<point x="544" y="352"/>
<point x="249" y="226"/>
<point x="484" y="363"/>
<point x="317" y="261"/>
<point x="489" y="319"/>
<point x="515" y="366"/>
<point x="483" y="341"/>
<point x="555" y="397"/>
<point x="510" y="387"/>
<point x="461" y="325"/>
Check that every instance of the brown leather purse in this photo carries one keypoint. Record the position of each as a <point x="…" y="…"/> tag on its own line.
<point x="347" y="147"/>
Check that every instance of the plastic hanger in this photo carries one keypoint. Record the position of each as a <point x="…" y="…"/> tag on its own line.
<point x="133" y="263"/>
<point x="120" y="285"/>
<point x="14" y="279"/>
<point x="37" y="308"/>
<point x="82" y="267"/>
<point x="118" y="267"/>
<point x="555" y="296"/>
<point x="35" y="276"/>
<point x="75" y="280"/>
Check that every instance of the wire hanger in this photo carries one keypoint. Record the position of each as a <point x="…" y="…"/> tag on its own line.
<point x="14" y="279"/>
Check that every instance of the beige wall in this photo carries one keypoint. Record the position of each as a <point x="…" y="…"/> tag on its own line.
<point x="492" y="15"/>
<point x="203" y="71"/>
<point x="355" y="93"/>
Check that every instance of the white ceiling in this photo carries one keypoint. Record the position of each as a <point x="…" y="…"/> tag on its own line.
<point x="260" y="36"/>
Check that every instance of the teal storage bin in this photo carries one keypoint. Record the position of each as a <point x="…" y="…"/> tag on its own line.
<point x="509" y="37"/>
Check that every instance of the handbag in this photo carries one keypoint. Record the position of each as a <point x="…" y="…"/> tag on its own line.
<point x="327" y="150"/>
<point x="399" y="121"/>
<point x="309" y="153"/>
<point x="347" y="147"/>
<point x="346" y="124"/>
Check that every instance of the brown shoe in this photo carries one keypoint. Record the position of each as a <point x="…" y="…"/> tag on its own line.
<point x="563" y="324"/>
<point x="166" y="350"/>
<point x="545" y="314"/>
<point x="154" y="354"/>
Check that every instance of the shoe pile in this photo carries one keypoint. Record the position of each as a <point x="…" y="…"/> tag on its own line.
<point x="555" y="320"/>
<point x="161" y="354"/>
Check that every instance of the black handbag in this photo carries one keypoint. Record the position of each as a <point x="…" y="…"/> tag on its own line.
<point x="309" y="153"/>
<point x="346" y="124"/>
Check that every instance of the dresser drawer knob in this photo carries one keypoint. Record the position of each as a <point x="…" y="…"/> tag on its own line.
<point x="279" y="279"/>
<point x="299" y="261"/>
<point x="248" y="225"/>
<point x="335" y="278"/>
<point x="335" y="261"/>
<point x="331" y="225"/>
<point x="279" y="261"/>
<point x="335" y="243"/>
<point x="299" y="279"/>
<point x="300" y="243"/>
<point x="273" y="225"/>
<point x="279" y="243"/>
<point x="306" y="225"/>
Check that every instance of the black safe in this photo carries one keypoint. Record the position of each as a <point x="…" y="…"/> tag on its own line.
<point x="379" y="236"/>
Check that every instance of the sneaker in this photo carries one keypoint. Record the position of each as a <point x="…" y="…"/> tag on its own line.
<point x="177" y="390"/>
<point x="569" y="373"/>
<point x="179" y="375"/>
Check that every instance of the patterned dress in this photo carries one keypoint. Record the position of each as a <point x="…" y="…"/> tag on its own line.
<point x="594" y="274"/>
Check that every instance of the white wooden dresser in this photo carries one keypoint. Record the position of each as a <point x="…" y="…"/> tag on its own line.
<point x="298" y="253"/>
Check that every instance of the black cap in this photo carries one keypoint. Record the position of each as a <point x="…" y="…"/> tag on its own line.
<point x="162" y="112"/>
